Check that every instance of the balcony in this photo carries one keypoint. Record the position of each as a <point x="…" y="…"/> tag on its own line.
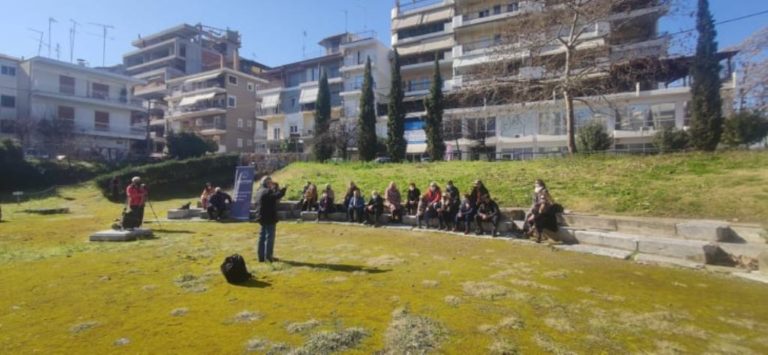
<point x="105" y="130"/>
<point x="197" y="110"/>
<point x="94" y="98"/>
<point x="495" y="13"/>
<point x="212" y="128"/>
<point x="199" y="87"/>
<point x="412" y="6"/>
<point x="150" y="89"/>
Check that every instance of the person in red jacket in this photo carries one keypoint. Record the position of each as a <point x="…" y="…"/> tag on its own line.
<point x="136" y="194"/>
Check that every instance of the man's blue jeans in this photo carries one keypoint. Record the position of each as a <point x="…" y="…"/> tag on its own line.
<point x="266" y="242"/>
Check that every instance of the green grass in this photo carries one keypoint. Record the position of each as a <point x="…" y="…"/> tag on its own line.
<point x="728" y="185"/>
<point x="348" y="288"/>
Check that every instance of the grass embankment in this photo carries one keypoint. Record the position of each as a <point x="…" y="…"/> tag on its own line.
<point x="729" y="185"/>
<point x="339" y="288"/>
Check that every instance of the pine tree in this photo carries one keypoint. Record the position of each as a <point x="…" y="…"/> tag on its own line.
<point x="707" y="116"/>
<point x="323" y="147"/>
<point x="396" y="143"/>
<point x="366" y="138"/>
<point x="434" y="122"/>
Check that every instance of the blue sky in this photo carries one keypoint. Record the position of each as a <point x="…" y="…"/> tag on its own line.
<point x="271" y="29"/>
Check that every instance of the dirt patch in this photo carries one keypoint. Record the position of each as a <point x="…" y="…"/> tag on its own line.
<point x="412" y="334"/>
<point x="331" y="342"/>
<point x="485" y="290"/>
<point x="452" y="300"/>
<point x="430" y="283"/>
<point x="301" y="327"/>
<point x="180" y="312"/>
<point x="192" y="283"/>
<point x="503" y="347"/>
<point x="247" y="317"/>
<point x="81" y="327"/>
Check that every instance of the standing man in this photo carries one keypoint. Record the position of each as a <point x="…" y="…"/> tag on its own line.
<point x="267" y="196"/>
<point x="136" y="194"/>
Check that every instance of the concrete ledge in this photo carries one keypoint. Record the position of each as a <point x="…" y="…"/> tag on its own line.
<point x="607" y="239"/>
<point x="666" y="261"/>
<point x="111" y="235"/>
<point x="589" y="222"/>
<point x="676" y="248"/>
<point x="595" y="250"/>
<point x="711" y="231"/>
<point x="646" y="227"/>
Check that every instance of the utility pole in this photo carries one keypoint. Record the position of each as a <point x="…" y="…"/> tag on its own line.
<point x="72" y="34"/>
<point x="304" y="44"/>
<point x="104" y="40"/>
<point x="51" y="20"/>
<point x="39" y="41"/>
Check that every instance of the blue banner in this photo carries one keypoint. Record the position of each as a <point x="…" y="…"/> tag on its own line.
<point x="241" y="209"/>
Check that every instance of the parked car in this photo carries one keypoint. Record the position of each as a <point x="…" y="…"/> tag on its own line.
<point x="382" y="160"/>
<point x="426" y="159"/>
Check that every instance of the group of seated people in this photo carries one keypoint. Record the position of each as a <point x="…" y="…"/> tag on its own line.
<point x="448" y="208"/>
<point x="215" y="201"/>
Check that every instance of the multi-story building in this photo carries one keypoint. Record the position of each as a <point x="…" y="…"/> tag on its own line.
<point x="219" y="104"/>
<point x="287" y="107"/>
<point x="172" y="53"/>
<point x="9" y="78"/>
<point x="469" y="35"/>
<point x="98" y="113"/>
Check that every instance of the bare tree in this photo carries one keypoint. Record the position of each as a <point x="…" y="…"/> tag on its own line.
<point x="344" y="136"/>
<point x="752" y="65"/>
<point x="566" y="50"/>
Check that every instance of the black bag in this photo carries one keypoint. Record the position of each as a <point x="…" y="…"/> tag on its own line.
<point x="129" y="219"/>
<point x="234" y="269"/>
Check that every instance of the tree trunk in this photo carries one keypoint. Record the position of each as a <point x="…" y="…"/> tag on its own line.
<point x="569" y="122"/>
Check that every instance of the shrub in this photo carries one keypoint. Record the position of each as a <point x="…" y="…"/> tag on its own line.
<point x="745" y="128"/>
<point x="671" y="140"/>
<point x="188" y="145"/>
<point x="173" y="171"/>
<point x="592" y="137"/>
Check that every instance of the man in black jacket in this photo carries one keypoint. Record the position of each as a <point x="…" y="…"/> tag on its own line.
<point x="374" y="209"/>
<point x="414" y="195"/>
<point x="218" y="203"/>
<point x="266" y="198"/>
<point x="487" y="211"/>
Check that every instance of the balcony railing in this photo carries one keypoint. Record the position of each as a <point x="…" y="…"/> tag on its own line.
<point x="408" y="6"/>
<point x="195" y="87"/>
<point x="221" y="125"/>
<point x="493" y="11"/>
<point x="197" y="108"/>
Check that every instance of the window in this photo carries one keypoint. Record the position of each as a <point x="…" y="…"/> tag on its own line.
<point x="66" y="85"/>
<point x="8" y="101"/>
<point x="249" y="123"/>
<point x="293" y="102"/>
<point x="231" y="101"/>
<point x="239" y="142"/>
<point x="483" y="13"/>
<point x="264" y="125"/>
<point x="101" y="121"/>
<point x="513" y="6"/>
<point x="276" y="133"/>
<point x="66" y="113"/>
<point x="239" y="123"/>
<point x="99" y="91"/>
<point x="7" y="126"/>
<point x="249" y="142"/>
<point x="232" y="80"/>
<point x="251" y="86"/>
<point x="452" y="129"/>
<point x="294" y="129"/>
<point x="6" y="70"/>
<point x="551" y="123"/>
<point x="182" y="51"/>
<point x="663" y="115"/>
<point x="497" y="9"/>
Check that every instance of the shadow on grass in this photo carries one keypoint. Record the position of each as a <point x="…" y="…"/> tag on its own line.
<point x="253" y="283"/>
<point x="335" y="267"/>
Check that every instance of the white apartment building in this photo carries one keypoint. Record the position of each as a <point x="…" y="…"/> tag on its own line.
<point x="468" y="34"/>
<point x="288" y="102"/>
<point x="107" y="121"/>
<point x="9" y="78"/>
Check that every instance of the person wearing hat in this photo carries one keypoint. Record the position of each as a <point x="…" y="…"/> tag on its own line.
<point x="136" y="194"/>
<point x="266" y="198"/>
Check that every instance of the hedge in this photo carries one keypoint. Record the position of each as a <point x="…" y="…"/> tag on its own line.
<point x="172" y="171"/>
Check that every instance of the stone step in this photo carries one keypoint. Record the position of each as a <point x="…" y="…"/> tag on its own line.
<point x="596" y="250"/>
<point x="607" y="239"/>
<point x="111" y="235"/>
<point x="669" y="247"/>
<point x="666" y="261"/>
<point x="705" y="230"/>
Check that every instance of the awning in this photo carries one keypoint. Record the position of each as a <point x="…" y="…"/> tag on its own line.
<point x="270" y="101"/>
<point x="308" y="95"/>
<point x="204" y="77"/>
<point x="444" y="43"/>
<point x="191" y="100"/>
<point x="416" y="148"/>
<point x="443" y="14"/>
<point x="409" y="21"/>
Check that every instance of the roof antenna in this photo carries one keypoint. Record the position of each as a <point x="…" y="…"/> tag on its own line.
<point x="304" y="44"/>
<point x="72" y="34"/>
<point x="104" y="41"/>
<point x="51" y="20"/>
<point x="39" y="41"/>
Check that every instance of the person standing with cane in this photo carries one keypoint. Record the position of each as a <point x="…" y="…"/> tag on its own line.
<point x="266" y="198"/>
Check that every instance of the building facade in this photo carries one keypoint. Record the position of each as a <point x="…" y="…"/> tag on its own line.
<point x="468" y="36"/>
<point x="9" y="82"/>
<point x="287" y="109"/>
<point x="219" y="105"/>
<point x="62" y="108"/>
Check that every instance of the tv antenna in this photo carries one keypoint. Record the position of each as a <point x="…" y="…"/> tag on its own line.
<point x="304" y="44"/>
<point x="51" y="21"/>
<point x="39" y="41"/>
<point x="104" y="29"/>
<point x="72" y="34"/>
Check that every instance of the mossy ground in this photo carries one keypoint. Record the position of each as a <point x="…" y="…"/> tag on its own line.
<point x="726" y="185"/>
<point x="345" y="288"/>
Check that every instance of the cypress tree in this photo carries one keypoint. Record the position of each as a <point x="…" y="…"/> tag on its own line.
<point x="434" y="123"/>
<point x="366" y="135"/>
<point x="396" y="143"/>
<point x="707" y="116"/>
<point x="323" y="147"/>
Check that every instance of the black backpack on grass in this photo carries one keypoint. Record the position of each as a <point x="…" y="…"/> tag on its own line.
<point x="234" y="269"/>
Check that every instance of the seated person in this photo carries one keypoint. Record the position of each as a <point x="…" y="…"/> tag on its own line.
<point x="487" y="211"/>
<point x="450" y="188"/>
<point x="206" y="194"/>
<point x="328" y="190"/>
<point x="447" y="212"/>
<point x="218" y="203"/>
<point x="300" y="205"/>
<point x="325" y="206"/>
<point x="421" y="210"/>
<point x="478" y="191"/>
<point x="393" y="203"/>
<point x="310" y="199"/>
<point x="374" y="209"/>
<point x="414" y="196"/>
<point x="350" y="191"/>
<point x="543" y="213"/>
<point x="465" y="214"/>
<point x="356" y="207"/>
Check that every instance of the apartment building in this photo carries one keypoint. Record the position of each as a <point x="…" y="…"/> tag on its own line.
<point x="9" y="78"/>
<point x="287" y="109"/>
<point x="219" y="105"/>
<point x="176" y="52"/>
<point x="475" y="32"/>
<point x="104" y="120"/>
